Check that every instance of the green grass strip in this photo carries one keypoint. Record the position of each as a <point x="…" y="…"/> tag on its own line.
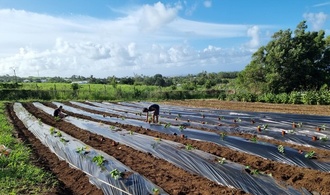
<point x="17" y="174"/>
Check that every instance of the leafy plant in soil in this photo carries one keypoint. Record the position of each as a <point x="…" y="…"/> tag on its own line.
<point x="181" y="127"/>
<point x="39" y="122"/>
<point x="58" y="134"/>
<point x="221" y="160"/>
<point x="221" y="118"/>
<point x="155" y="191"/>
<point x="299" y="124"/>
<point x="57" y="118"/>
<point x="264" y="127"/>
<point x="281" y="149"/>
<point x="189" y="147"/>
<point x="254" y="139"/>
<point x="64" y="140"/>
<point x="81" y="150"/>
<point x="52" y="130"/>
<point x="131" y="132"/>
<point x="223" y="135"/>
<point x="112" y="127"/>
<point x="167" y="125"/>
<point x="323" y="128"/>
<point x="179" y="115"/>
<point x="251" y="171"/>
<point x="99" y="160"/>
<point x="237" y="120"/>
<point x="116" y="174"/>
<point x="324" y="139"/>
<point x="310" y="154"/>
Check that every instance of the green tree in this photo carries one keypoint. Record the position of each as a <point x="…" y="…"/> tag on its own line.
<point x="289" y="62"/>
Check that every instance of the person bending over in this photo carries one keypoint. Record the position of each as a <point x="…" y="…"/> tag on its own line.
<point x="152" y="108"/>
<point x="58" y="112"/>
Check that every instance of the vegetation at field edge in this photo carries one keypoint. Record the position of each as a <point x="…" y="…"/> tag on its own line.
<point x="17" y="173"/>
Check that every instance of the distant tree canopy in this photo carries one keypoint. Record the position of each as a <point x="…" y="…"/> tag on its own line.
<point x="289" y="62"/>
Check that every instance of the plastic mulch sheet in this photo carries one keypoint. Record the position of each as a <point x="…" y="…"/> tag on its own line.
<point x="195" y="161"/>
<point x="262" y="149"/>
<point x="81" y="156"/>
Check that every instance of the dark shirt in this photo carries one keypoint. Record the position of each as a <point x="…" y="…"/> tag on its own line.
<point x="155" y="108"/>
<point x="57" y="112"/>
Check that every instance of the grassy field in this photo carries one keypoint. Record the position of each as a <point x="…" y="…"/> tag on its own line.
<point x="18" y="175"/>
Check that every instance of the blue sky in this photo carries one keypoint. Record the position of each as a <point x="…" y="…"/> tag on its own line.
<point x="123" y="38"/>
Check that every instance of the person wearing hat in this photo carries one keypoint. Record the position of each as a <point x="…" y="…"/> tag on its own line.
<point x="152" y="108"/>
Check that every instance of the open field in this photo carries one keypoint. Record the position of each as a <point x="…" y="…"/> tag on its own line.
<point x="200" y="147"/>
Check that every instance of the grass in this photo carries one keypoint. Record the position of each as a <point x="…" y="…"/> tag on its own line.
<point x="17" y="174"/>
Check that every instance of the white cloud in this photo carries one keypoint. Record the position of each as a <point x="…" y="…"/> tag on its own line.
<point x="149" y="40"/>
<point x="322" y="4"/>
<point x="156" y="16"/>
<point x="316" y="19"/>
<point x="254" y="43"/>
<point x="208" y="3"/>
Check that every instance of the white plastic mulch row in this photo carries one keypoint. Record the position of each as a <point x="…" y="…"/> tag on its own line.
<point x="65" y="147"/>
<point x="195" y="161"/>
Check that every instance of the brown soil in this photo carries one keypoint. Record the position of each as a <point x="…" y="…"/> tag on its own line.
<point x="177" y="181"/>
<point x="321" y="110"/>
<point x="71" y="181"/>
<point x="280" y="171"/>
<point x="169" y="177"/>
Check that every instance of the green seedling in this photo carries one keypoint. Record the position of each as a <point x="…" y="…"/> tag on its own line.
<point x="281" y="149"/>
<point x="252" y="172"/>
<point x="181" y="127"/>
<point x="310" y="154"/>
<point x="131" y="132"/>
<point x="99" y="160"/>
<point x="223" y="135"/>
<point x="122" y="118"/>
<point x="254" y="139"/>
<point x="299" y="124"/>
<point x="52" y="130"/>
<point x="81" y="150"/>
<point x="221" y="160"/>
<point x="64" y="140"/>
<point x="325" y="138"/>
<point x="255" y="172"/>
<point x="57" y="118"/>
<point x="179" y="115"/>
<point x="112" y="127"/>
<point x="221" y="118"/>
<point x="264" y="127"/>
<point x="116" y="174"/>
<point x="291" y="131"/>
<point x="155" y="191"/>
<point x="167" y="125"/>
<point x="323" y="127"/>
<point x="189" y="147"/>
<point x="58" y="134"/>
<point x="39" y="122"/>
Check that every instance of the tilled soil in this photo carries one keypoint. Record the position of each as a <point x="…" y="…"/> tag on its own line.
<point x="71" y="181"/>
<point x="169" y="177"/>
<point x="177" y="181"/>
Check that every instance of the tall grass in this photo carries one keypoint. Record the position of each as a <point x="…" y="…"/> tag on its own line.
<point x="17" y="174"/>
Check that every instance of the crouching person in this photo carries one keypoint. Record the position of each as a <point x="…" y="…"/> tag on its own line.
<point x="155" y="115"/>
